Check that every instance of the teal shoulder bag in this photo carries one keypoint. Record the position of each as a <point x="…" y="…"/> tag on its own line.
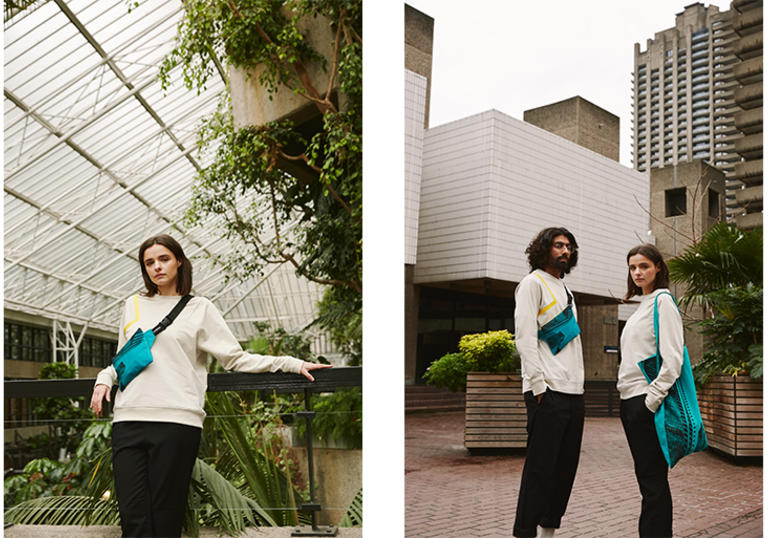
<point x="678" y="419"/>
<point x="136" y="354"/>
<point x="561" y="329"/>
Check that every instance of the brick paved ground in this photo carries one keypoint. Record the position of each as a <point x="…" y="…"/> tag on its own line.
<point x="449" y="493"/>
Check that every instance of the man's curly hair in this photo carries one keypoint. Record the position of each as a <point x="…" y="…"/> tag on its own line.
<point x="538" y="250"/>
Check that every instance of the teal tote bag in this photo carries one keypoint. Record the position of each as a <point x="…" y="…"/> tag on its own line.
<point x="678" y="419"/>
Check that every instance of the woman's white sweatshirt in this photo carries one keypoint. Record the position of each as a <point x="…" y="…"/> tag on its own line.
<point x="172" y="388"/>
<point x="538" y="299"/>
<point x="638" y="343"/>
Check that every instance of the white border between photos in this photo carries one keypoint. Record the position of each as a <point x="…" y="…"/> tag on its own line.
<point x="383" y="259"/>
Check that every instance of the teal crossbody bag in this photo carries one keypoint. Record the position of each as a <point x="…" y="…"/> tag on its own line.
<point x="561" y="329"/>
<point x="678" y="419"/>
<point x="136" y="354"/>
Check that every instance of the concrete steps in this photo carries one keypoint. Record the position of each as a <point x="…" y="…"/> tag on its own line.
<point x="429" y="398"/>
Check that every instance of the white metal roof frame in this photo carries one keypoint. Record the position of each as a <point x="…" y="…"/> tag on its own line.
<point x="98" y="157"/>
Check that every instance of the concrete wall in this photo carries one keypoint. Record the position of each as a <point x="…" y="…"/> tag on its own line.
<point x="674" y="234"/>
<point x="250" y="101"/>
<point x="579" y="121"/>
<point x="490" y="183"/>
<point x="599" y="328"/>
<point x="338" y="477"/>
<point x="419" y="31"/>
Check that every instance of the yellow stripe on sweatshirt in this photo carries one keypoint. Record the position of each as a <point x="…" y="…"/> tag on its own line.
<point x="554" y="301"/>
<point x="136" y="311"/>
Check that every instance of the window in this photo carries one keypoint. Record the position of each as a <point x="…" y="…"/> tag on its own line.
<point x="674" y="202"/>
<point x="714" y="204"/>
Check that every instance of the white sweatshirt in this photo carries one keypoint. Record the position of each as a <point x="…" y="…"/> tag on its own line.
<point x="538" y="299"/>
<point x="638" y="343"/>
<point x="172" y="388"/>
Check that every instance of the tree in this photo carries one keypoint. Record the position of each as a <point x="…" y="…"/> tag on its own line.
<point x="246" y="184"/>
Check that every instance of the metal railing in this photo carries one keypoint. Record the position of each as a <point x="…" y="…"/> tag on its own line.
<point x="326" y="380"/>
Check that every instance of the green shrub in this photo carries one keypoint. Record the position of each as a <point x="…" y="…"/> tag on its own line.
<point x="339" y="415"/>
<point x="735" y="334"/>
<point x="448" y="371"/>
<point x="492" y="351"/>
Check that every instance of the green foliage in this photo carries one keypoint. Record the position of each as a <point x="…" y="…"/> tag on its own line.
<point x="64" y="510"/>
<point x="492" y="351"/>
<point x="449" y="371"/>
<point x="311" y="220"/>
<point x="723" y="272"/>
<point x="354" y="515"/>
<point x="69" y="417"/>
<point x="340" y="312"/>
<point x="253" y="460"/>
<point x="87" y="476"/>
<point x="725" y="257"/>
<point x="339" y="415"/>
<point x="278" y="341"/>
<point x="735" y="333"/>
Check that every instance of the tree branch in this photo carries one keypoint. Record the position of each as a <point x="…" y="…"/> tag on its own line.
<point x="332" y="76"/>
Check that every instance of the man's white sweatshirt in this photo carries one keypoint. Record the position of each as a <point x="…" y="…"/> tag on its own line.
<point x="538" y="299"/>
<point x="638" y="342"/>
<point x="172" y="388"/>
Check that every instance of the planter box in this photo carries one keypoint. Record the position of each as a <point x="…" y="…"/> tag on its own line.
<point x="495" y="414"/>
<point x="732" y="411"/>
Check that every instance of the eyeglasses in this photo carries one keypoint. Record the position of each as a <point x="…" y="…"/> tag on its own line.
<point x="560" y="246"/>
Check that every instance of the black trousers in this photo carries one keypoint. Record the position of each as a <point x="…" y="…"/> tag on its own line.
<point x="650" y="469"/>
<point x="555" y="427"/>
<point x="152" y="463"/>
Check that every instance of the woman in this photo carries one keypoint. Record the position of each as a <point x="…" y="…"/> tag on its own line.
<point x="159" y="416"/>
<point x="649" y="277"/>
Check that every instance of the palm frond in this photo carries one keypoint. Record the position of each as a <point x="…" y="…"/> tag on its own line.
<point x="64" y="510"/>
<point x="232" y="510"/>
<point x="267" y="485"/>
<point x="354" y="515"/>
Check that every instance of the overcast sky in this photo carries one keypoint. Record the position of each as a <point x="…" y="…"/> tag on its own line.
<point x="513" y="55"/>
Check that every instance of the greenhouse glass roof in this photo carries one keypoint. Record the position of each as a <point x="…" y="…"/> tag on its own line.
<point x="98" y="157"/>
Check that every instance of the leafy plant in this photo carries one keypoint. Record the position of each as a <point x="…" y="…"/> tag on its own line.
<point x="725" y="257"/>
<point x="354" y="515"/>
<point x="311" y="219"/>
<point x="68" y="417"/>
<point x="339" y="415"/>
<point x="448" y="371"/>
<point x="492" y="351"/>
<point x="735" y="332"/>
<point x="278" y="341"/>
<point x="255" y="462"/>
<point x="723" y="273"/>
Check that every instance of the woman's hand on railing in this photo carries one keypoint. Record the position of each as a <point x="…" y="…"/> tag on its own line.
<point x="307" y="366"/>
<point x="99" y="392"/>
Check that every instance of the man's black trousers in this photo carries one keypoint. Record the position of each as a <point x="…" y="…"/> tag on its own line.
<point x="152" y="464"/>
<point x="555" y="428"/>
<point x="650" y="468"/>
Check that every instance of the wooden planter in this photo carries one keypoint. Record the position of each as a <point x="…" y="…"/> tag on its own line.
<point x="495" y="411"/>
<point x="732" y="411"/>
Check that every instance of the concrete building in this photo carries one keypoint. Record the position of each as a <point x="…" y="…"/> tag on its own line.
<point x="479" y="189"/>
<point x="685" y="200"/>
<point x="419" y="33"/>
<point x="687" y="95"/>
<point x="748" y="118"/>
<point x="579" y="121"/>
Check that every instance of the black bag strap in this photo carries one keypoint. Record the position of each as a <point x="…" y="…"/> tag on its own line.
<point x="167" y="320"/>
<point x="568" y="293"/>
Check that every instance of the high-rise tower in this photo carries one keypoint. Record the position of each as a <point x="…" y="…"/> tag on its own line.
<point x="693" y="99"/>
